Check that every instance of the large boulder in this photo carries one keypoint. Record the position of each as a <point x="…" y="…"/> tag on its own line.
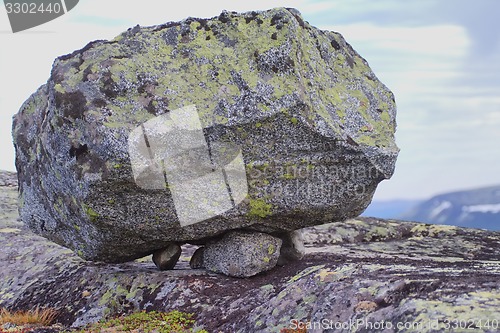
<point x="275" y="125"/>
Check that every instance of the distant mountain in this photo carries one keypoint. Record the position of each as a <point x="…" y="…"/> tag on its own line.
<point x="479" y="208"/>
<point x="389" y="209"/>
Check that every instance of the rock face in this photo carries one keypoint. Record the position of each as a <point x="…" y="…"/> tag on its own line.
<point x="296" y="107"/>
<point x="364" y="271"/>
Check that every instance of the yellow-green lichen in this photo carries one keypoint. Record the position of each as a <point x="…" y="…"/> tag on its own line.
<point x="305" y="272"/>
<point x="271" y="249"/>
<point x="267" y="287"/>
<point x="474" y="307"/>
<point x="377" y="233"/>
<point x="433" y="230"/>
<point x="9" y="230"/>
<point x="58" y="87"/>
<point x="259" y="208"/>
<point x="92" y="214"/>
<point x="153" y="321"/>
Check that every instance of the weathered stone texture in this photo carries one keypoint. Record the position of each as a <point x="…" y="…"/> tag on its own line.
<point x="313" y="123"/>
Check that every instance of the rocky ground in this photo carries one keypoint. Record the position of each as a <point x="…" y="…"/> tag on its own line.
<point x="363" y="275"/>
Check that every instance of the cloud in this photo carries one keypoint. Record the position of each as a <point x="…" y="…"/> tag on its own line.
<point x="96" y="20"/>
<point x="152" y="12"/>
<point x="417" y="63"/>
<point x="381" y="12"/>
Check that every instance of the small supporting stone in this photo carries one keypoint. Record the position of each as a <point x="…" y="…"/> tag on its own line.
<point x="167" y="257"/>
<point x="242" y="253"/>
<point x="292" y="248"/>
<point x="197" y="259"/>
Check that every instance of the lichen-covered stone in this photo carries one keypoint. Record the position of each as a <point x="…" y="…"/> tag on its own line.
<point x="242" y="254"/>
<point x="313" y="123"/>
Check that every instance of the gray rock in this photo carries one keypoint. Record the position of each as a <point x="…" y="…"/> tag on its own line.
<point x="296" y="107"/>
<point x="242" y="254"/>
<point x="8" y="178"/>
<point x="167" y="257"/>
<point x="292" y="248"/>
<point x="197" y="259"/>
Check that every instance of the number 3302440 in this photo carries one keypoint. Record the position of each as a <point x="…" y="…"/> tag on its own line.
<point x="33" y="8"/>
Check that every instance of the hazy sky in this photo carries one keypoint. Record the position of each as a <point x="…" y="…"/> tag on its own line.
<point x="441" y="58"/>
